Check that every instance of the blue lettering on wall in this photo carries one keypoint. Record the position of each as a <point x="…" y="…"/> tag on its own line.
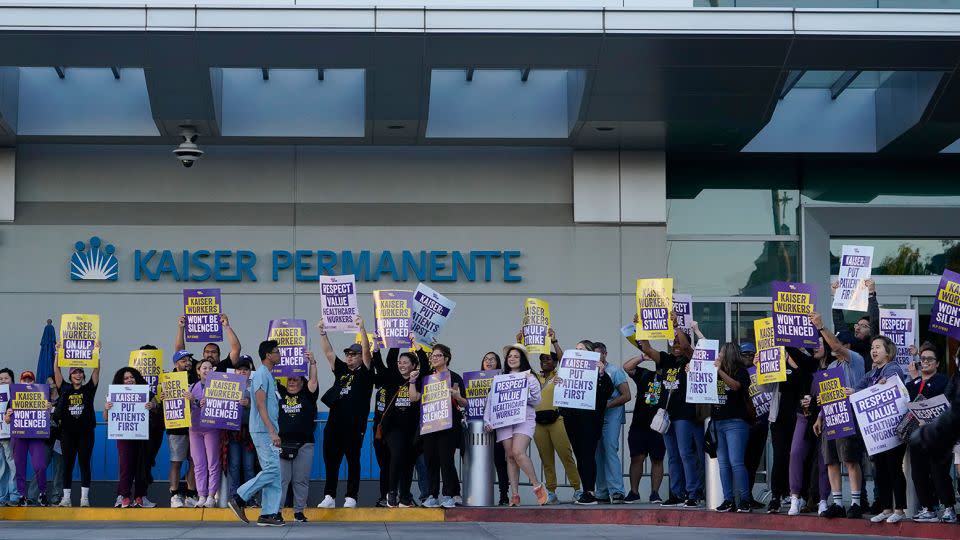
<point x="306" y="265"/>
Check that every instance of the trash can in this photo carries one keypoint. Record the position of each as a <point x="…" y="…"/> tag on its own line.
<point x="477" y="465"/>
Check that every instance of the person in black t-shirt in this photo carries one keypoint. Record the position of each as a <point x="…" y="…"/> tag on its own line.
<point x="211" y="351"/>
<point x="399" y="424"/>
<point x="77" y="426"/>
<point x="731" y="420"/>
<point x="644" y="441"/>
<point x="347" y="421"/>
<point x="297" y="419"/>
<point x="383" y="374"/>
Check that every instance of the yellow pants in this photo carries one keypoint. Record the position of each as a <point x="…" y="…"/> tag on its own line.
<point x="550" y="439"/>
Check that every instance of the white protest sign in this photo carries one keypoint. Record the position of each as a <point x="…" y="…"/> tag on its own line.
<point x="577" y="375"/>
<point x="683" y="307"/>
<point x="855" y="267"/>
<point x="927" y="410"/>
<point x="128" y="417"/>
<point x="508" y="399"/>
<point x="879" y="410"/>
<point x="338" y="303"/>
<point x="900" y="325"/>
<point x="431" y="310"/>
<point x="702" y="377"/>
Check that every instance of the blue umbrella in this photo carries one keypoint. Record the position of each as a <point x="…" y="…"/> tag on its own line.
<point x="47" y="349"/>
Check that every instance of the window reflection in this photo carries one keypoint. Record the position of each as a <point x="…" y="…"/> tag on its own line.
<point x="730" y="268"/>
<point x="903" y="257"/>
<point x="756" y="211"/>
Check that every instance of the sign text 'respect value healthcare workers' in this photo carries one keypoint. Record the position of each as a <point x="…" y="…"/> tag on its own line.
<point x="242" y="265"/>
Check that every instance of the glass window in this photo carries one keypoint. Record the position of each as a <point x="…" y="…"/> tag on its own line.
<point x="903" y="257"/>
<point x="757" y="211"/>
<point x="885" y="182"/>
<point x="712" y="319"/>
<point x="731" y="268"/>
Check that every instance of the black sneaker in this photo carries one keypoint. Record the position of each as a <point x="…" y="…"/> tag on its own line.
<point x="691" y="503"/>
<point x="727" y="506"/>
<point x="237" y="505"/>
<point x="774" y="506"/>
<point x="276" y="520"/>
<point x="672" y="501"/>
<point x="392" y="501"/>
<point x="299" y="517"/>
<point x="631" y="498"/>
<point x="382" y="503"/>
<point x="655" y="497"/>
<point x="504" y="500"/>
<point x="25" y="502"/>
<point x="744" y="507"/>
<point x="406" y="501"/>
<point x="617" y="498"/>
<point x="42" y="500"/>
<point x="756" y="505"/>
<point x="855" y="512"/>
<point x="586" y="498"/>
<point x="874" y="508"/>
<point x="835" y="511"/>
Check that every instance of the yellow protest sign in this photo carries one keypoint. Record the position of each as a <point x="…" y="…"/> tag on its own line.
<point x="534" y="326"/>
<point x="149" y="364"/>
<point x="79" y="334"/>
<point x="176" y="393"/>
<point x="772" y="359"/>
<point x="654" y="303"/>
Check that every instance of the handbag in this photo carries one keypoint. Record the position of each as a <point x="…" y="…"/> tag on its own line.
<point x="547" y="417"/>
<point x="661" y="420"/>
<point x="289" y="451"/>
<point x="332" y="395"/>
<point x="378" y="434"/>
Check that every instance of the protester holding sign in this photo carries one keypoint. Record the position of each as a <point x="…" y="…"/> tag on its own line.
<point x="733" y="416"/>
<point x="349" y="403"/>
<point x="29" y="419"/>
<point x="398" y="427"/>
<point x="931" y="472"/>
<point x="382" y="374"/>
<point x="298" y="414"/>
<point x="476" y="391"/>
<point x="516" y="437"/>
<point x="176" y="397"/>
<point x="133" y="457"/>
<point x="642" y="440"/>
<point x="211" y="351"/>
<point x="77" y="425"/>
<point x="439" y="447"/>
<point x="8" y="470"/>
<point x="204" y="441"/>
<point x="867" y="326"/>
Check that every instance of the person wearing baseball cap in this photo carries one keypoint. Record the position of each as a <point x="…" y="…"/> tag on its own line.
<point x="77" y="426"/>
<point x="211" y="351"/>
<point x="36" y="449"/>
<point x="178" y="442"/>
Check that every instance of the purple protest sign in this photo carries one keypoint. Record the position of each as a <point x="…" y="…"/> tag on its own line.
<point x="202" y="308"/>
<point x="792" y="305"/>
<point x="436" y="411"/>
<point x="879" y="409"/>
<point x="338" y="301"/>
<point x="291" y="338"/>
<point x="945" y="314"/>
<point x="221" y="406"/>
<point x="392" y="310"/>
<point x="478" y="385"/>
<point x="837" y="413"/>
<point x="760" y="399"/>
<point x="31" y="412"/>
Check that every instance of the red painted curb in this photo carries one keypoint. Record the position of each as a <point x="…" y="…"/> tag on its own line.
<point x="703" y="518"/>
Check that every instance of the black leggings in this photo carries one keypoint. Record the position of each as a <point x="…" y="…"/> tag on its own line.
<point x="438" y="451"/>
<point x="756" y="443"/>
<point x="402" y="459"/>
<point x="340" y="440"/>
<point x="931" y="478"/>
<point x="889" y="479"/>
<point x="384" y="461"/>
<point x="500" y="463"/>
<point x="584" y="432"/>
<point x="76" y="445"/>
<point x="781" y="434"/>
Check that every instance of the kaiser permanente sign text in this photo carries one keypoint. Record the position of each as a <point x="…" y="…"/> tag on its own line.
<point x="241" y="265"/>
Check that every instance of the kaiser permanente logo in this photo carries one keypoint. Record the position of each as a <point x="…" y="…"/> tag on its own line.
<point x="99" y="262"/>
<point x="94" y="263"/>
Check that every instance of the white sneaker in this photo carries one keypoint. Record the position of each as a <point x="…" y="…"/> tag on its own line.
<point x="897" y="517"/>
<point x="84" y="502"/>
<point x="64" y="503"/>
<point x="147" y="503"/>
<point x="119" y="502"/>
<point x="949" y="515"/>
<point x="458" y="500"/>
<point x="211" y="502"/>
<point x="349" y="502"/>
<point x="176" y="501"/>
<point x="201" y="502"/>
<point x="328" y="502"/>
<point x="190" y="502"/>
<point x="926" y="516"/>
<point x="431" y="502"/>
<point x="795" y="505"/>
<point x="882" y="516"/>
<point x="821" y="507"/>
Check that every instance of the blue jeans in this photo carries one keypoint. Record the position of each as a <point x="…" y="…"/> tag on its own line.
<point x="731" y="446"/>
<point x="678" y="485"/>
<point x="8" y="472"/>
<point x="690" y="443"/>
<point x="239" y="464"/>
<point x="609" y="468"/>
<point x="267" y="481"/>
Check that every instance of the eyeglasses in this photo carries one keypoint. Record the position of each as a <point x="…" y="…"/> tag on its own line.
<point x="930" y="359"/>
<point x="440" y="355"/>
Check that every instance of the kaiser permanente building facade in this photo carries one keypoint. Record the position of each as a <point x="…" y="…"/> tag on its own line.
<point x="557" y="149"/>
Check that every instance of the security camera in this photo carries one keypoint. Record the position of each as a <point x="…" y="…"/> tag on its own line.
<point x="188" y="152"/>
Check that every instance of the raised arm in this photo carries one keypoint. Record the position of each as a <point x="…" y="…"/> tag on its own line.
<point x="630" y="366"/>
<point x="873" y="308"/>
<point x="364" y="343"/>
<point x="555" y="342"/>
<point x="231" y="336"/>
<point x="57" y="375"/>
<point x="312" y="383"/>
<point x="829" y="338"/>
<point x="683" y="341"/>
<point x="325" y="345"/>
<point x="178" y="343"/>
<point x="95" y="376"/>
